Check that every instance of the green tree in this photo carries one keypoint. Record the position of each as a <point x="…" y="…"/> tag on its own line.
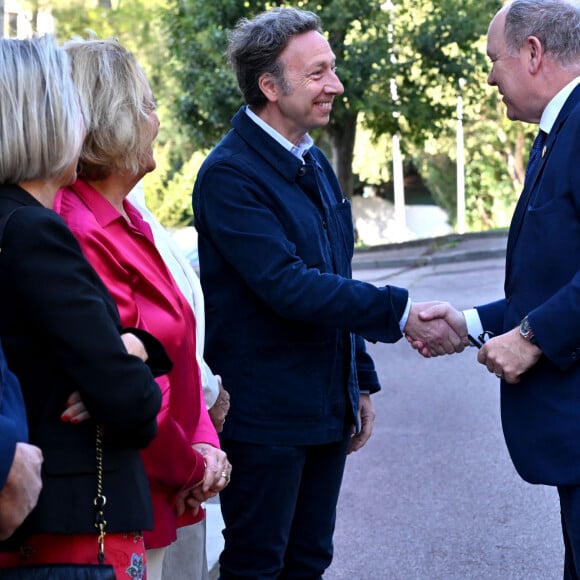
<point x="138" y="25"/>
<point x="424" y="47"/>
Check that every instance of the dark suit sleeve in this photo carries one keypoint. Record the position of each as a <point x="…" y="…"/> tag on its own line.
<point x="492" y="316"/>
<point x="368" y="379"/>
<point x="556" y="324"/>
<point x="64" y="301"/>
<point x="13" y="428"/>
<point x="158" y="361"/>
<point x="243" y="227"/>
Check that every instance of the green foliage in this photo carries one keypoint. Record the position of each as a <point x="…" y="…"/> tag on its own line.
<point x="138" y="26"/>
<point x="424" y="49"/>
<point x="170" y="198"/>
<point x="421" y="47"/>
<point x="208" y="91"/>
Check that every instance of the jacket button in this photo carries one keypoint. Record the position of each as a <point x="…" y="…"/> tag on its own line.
<point x="508" y="299"/>
<point x="302" y="171"/>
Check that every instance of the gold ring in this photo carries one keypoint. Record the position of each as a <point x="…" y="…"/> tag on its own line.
<point x="226" y="475"/>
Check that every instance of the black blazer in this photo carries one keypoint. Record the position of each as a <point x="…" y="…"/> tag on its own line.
<point x="61" y="332"/>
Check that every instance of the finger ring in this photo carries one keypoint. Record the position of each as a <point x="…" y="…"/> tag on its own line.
<point x="226" y="475"/>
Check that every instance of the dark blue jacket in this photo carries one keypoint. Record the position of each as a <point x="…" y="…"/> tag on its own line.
<point x="285" y="320"/>
<point x="13" y="426"/>
<point x="541" y="414"/>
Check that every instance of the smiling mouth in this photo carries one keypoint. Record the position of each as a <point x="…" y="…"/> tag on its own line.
<point x="325" y="105"/>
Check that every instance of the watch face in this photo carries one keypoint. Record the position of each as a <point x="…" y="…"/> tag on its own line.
<point x="526" y="330"/>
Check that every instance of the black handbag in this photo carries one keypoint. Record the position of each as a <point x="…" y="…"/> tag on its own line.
<point x="100" y="571"/>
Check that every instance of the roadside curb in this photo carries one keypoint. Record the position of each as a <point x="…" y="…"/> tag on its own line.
<point x="433" y="251"/>
<point x="419" y="261"/>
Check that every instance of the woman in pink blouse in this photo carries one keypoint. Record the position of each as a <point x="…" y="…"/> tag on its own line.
<point x="184" y="463"/>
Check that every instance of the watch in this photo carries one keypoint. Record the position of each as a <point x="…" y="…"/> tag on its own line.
<point x="527" y="332"/>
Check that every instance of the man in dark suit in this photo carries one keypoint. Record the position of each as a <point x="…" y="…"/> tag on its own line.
<point x="534" y="47"/>
<point x="285" y="319"/>
<point x="20" y="462"/>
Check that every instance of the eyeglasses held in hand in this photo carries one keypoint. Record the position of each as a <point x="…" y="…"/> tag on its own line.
<point x="481" y="339"/>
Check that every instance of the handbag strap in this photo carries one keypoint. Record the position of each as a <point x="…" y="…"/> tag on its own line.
<point x="100" y="500"/>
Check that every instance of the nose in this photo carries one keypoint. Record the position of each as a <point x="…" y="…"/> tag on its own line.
<point x="334" y="85"/>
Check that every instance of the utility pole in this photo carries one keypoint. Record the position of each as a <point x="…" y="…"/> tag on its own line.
<point x="460" y="225"/>
<point x="400" y="217"/>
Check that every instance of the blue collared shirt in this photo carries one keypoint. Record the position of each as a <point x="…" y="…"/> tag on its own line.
<point x="296" y="150"/>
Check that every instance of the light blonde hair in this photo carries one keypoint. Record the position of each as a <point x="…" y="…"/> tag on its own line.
<point x="115" y="102"/>
<point x="40" y="120"/>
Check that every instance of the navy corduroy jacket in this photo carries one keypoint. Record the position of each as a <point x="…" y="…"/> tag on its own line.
<point x="285" y="320"/>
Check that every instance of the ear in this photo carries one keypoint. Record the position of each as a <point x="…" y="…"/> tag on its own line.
<point x="535" y="53"/>
<point x="269" y="86"/>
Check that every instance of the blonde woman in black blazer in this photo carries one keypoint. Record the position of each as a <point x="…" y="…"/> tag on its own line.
<point x="61" y="331"/>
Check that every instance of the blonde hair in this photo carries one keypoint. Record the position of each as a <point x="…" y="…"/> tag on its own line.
<point x="40" y="120"/>
<point x="115" y="103"/>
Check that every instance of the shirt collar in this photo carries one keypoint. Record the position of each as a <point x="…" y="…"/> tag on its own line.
<point x="554" y="107"/>
<point x="297" y="150"/>
<point x="103" y="210"/>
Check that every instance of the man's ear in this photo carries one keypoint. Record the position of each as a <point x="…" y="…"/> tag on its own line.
<point x="535" y="51"/>
<point x="269" y="86"/>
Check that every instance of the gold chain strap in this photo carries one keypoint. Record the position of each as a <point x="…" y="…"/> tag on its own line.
<point x="100" y="500"/>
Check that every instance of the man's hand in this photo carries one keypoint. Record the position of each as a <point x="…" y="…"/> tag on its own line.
<point x="219" y="410"/>
<point x="509" y="355"/>
<point x="366" y="415"/>
<point x="436" y="328"/>
<point x="22" y="488"/>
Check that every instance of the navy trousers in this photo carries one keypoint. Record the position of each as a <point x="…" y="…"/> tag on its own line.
<point x="279" y="510"/>
<point x="570" y="513"/>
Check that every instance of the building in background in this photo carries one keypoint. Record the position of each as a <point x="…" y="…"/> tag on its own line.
<point x="19" y="20"/>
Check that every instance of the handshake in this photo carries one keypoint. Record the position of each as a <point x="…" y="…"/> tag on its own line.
<point x="436" y="328"/>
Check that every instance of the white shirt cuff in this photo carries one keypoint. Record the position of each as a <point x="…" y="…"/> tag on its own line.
<point x="474" y="326"/>
<point x="404" y="318"/>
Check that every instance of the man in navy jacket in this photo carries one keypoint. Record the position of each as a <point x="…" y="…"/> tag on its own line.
<point x="20" y="462"/>
<point x="285" y="320"/>
<point x="534" y="47"/>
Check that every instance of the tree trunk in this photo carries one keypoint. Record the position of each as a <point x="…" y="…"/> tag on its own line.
<point x="342" y="137"/>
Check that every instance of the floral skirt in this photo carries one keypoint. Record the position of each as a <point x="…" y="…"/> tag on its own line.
<point x="124" y="551"/>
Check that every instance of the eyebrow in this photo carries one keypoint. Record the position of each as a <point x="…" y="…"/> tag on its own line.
<point x="323" y="63"/>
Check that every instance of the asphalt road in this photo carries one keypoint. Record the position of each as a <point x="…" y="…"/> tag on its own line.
<point x="433" y="495"/>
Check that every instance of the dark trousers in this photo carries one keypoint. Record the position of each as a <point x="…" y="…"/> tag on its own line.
<point x="570" y="513"/>
<point x="279" y="510"/>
